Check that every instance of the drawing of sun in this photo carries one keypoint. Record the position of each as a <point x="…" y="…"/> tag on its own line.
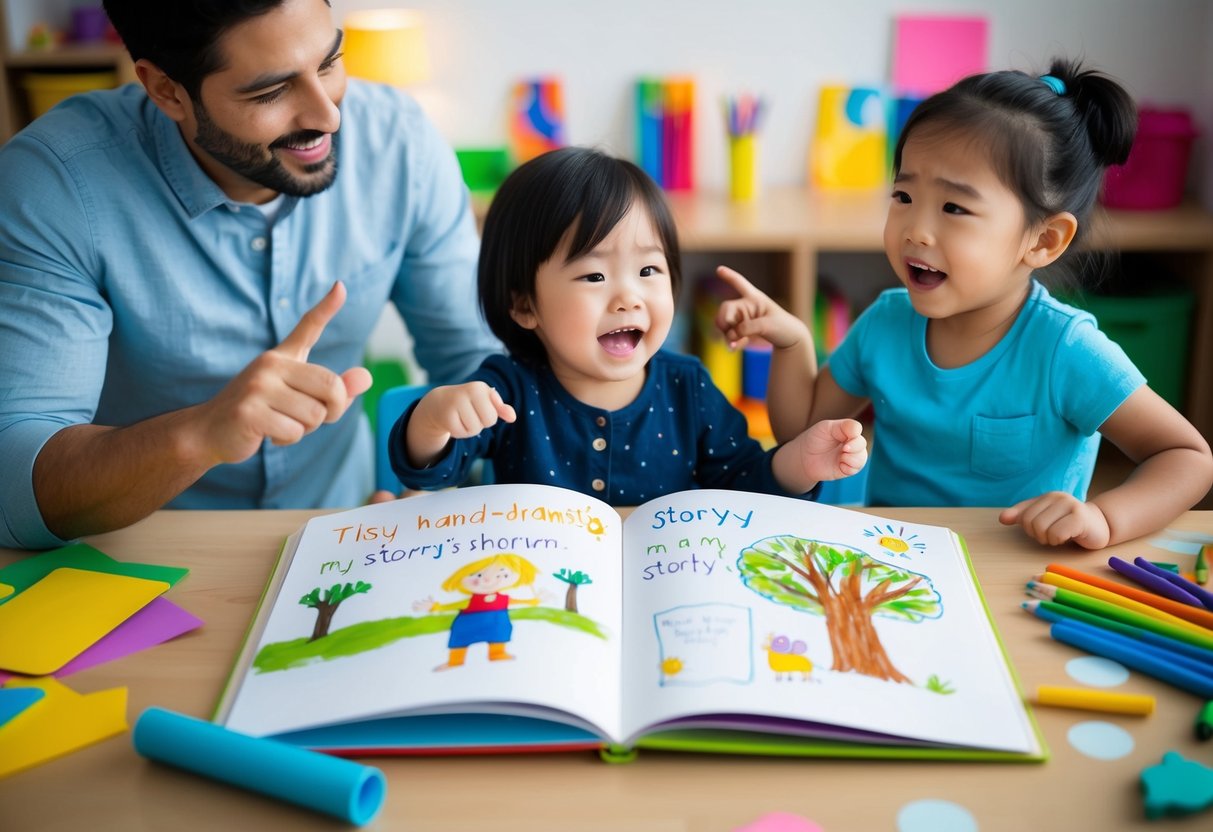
<point x="671" y="667"/>
<point x="893" y="540"/>
<point x="595" y="527"/>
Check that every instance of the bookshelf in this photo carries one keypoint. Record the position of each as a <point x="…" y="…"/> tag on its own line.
<point x="15" y="62"/>
<point x="795" y="226"/>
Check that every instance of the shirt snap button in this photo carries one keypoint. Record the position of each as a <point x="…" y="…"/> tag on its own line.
<point x="599" y="444"/>
<point x="600" y="421"/>
<point x="259" y="244"/>
<point x="598" y="485"/>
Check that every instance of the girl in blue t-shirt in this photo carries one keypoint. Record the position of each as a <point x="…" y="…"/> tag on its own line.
<point x="986" y="390"/>
<point x="579" y="271"/>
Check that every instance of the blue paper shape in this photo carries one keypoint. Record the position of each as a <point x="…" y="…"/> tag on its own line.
<point x="15" y="700"/>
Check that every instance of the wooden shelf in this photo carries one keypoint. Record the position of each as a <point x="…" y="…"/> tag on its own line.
<point x="70" y="55"/>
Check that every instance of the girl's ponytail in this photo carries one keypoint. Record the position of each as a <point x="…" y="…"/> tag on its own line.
<point x="1106" y="110"/>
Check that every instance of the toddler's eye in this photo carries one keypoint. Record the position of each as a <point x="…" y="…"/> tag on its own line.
<point x="649" y="271"/>
<point x="902" y="197"/>
<point x="596" y="277"/>
<point x="953" y="208"/>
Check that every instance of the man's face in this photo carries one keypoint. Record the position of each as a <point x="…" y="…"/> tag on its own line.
<point x="267" y="122"/>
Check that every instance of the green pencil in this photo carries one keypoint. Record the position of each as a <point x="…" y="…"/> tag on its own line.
<point x="1202" y="565"/>
<point x="1094" y="605"/>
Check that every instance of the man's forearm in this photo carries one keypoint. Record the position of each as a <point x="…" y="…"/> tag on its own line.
<point x="90" y="479"/>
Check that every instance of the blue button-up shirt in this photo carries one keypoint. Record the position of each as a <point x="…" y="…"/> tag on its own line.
<point x="131" y="285"/>
<point x="679" y="434"/>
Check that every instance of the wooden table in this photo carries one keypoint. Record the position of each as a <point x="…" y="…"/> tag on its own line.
<point x="108" y="786"/>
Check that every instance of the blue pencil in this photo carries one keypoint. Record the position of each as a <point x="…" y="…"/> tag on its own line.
<point x="1096" y="641"/>
<point x="1052" y="612"/>
<point x="1161" y="653"/>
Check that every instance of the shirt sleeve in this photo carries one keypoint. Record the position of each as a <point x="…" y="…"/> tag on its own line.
<point x="846" y="361"/>
<point x="728" y="456"/>
<point x="1091" y="376"/>
<point x="55" y="329"/>
<point x="436" y="292"/>
<point x="454" y="466"/>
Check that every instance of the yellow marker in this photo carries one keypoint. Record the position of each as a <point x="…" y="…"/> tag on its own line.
<point x="1095" y="700"/>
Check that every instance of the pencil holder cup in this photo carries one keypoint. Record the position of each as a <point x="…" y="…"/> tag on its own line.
<point x="743" y="168"/>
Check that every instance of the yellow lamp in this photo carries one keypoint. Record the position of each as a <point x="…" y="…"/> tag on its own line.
<point x="386" y="45"/>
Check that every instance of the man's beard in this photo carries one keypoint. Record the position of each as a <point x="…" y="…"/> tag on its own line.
<point x="249" y="160"/>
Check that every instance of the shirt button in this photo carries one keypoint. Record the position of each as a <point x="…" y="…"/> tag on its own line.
<point x="600" y="421"/>
<point x="259" y="244"/>
<point x="283" y="303"/>
<point x="598" y="485"/>
<point x="599" y="444"/>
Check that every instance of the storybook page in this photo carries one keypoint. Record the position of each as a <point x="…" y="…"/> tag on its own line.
<point x="492" y="599"/>
<point x="748" y="611"/>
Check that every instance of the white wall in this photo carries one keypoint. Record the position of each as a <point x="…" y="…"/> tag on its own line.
<point x="784" y="50"/>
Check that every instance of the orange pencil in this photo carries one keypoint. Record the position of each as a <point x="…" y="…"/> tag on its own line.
<point x="1196" y="615"/>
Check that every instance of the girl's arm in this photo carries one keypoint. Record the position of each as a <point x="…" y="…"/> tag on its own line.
<point x="458" y="411"/>
<point x="797" y="394"/>
<point x="1174" y="472"/>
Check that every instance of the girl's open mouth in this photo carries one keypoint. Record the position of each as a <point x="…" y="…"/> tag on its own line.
<point x="620" y="341"/>
<point x="924" y="276"/>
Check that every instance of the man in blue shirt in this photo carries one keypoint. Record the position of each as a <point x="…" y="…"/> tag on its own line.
<point x="160" y="250"/>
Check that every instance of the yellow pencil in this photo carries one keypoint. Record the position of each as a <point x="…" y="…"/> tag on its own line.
<point x="1095" y="700"/>
<point x="1121" y="601"/>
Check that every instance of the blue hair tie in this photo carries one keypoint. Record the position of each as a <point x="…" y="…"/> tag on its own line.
<point x="1054" y="83"/>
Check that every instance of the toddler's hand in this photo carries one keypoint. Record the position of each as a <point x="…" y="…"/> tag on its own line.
<point x="833" y="449"/>
<point x="460" y="410"/>
<point x="1058" y="517"/>
<point x="755" y="314"/>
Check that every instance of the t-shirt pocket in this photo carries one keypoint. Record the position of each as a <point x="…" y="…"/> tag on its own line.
<point x="1002" y="446"/>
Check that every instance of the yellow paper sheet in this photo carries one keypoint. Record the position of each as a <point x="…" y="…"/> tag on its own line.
<point x="61" y="722"/>
<point x="56" y="619"/>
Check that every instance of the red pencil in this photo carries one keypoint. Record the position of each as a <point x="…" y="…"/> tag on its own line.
<point x="1194" y="614"/>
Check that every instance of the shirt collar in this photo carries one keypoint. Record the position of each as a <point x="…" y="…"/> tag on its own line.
<point x="195" y="189"/>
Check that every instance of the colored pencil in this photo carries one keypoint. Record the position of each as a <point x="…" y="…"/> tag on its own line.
<point x="1141" y="704"/>
<point x="1117" y="613"/>
<point x="1197" y="616"/>
<point x="1162" y="653"/>
<point x="1154" y="582"/>
<point x="1052" y="611"/>
<point x="1203" y="597"/>
<point x="1202" y="564"/>
<point x="1122" y="650"/>
<point x="1121" y="601"/>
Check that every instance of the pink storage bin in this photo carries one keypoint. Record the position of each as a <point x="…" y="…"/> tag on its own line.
<point x="1152" y="178"/>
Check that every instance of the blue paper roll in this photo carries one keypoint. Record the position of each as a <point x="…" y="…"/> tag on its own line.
<point x="348" y="790"/>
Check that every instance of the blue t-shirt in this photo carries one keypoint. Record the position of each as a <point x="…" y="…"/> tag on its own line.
<point x="131" y="286"/>
<point x="1020" y="421"/>
<point x="680" y="433"/>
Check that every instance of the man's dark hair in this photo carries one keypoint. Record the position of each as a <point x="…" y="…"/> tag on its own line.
<point x="181" y="37"/>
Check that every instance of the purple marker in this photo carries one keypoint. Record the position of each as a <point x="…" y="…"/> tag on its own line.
<point x="1203" y="596"/>
<point x="1157" y="583"/>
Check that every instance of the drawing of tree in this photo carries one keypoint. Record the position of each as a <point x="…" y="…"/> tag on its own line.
<point x="574" y="580"/>
<point x="846" y="586"/>
<point x="327" y="604"/>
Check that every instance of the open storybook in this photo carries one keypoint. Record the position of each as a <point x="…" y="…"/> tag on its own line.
<point x="525" y="617"/>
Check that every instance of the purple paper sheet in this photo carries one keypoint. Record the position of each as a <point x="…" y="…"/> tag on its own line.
<point x="154" y="624"/>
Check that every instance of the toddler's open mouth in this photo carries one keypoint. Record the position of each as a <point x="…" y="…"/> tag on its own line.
<point x="620" y="341"/>
<point x="924" y="276"/>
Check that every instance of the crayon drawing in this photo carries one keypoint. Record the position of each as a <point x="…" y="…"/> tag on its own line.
<point x="848" y="588"/>
<point x="786" y="658"/>
<point x="485" y="615"/>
